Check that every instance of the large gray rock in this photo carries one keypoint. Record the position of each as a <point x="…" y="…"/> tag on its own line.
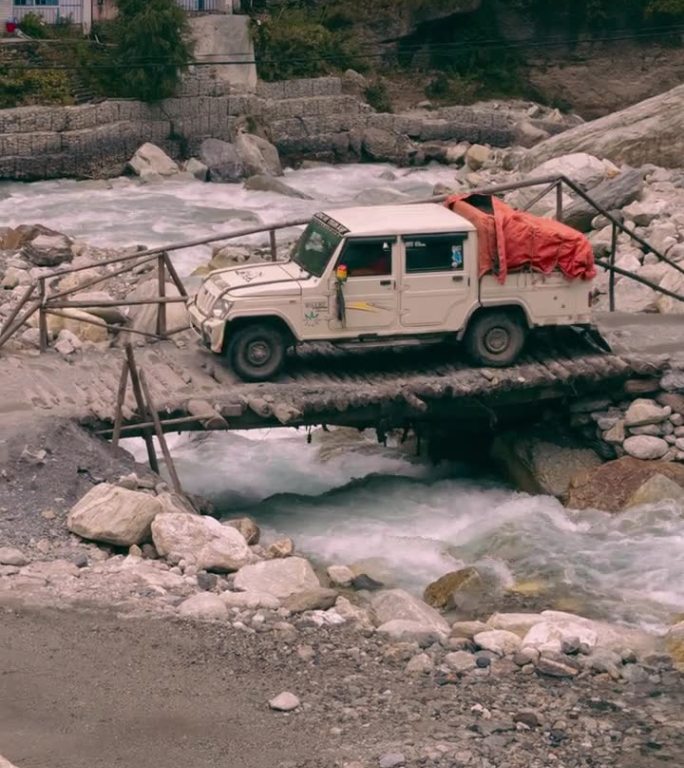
<point x="114" y="515"/>
<point x="611" y="194"/>
<point x="657" y="488"/>
<point x="582" y="168"/>
<point x="258" y="156"/>
<point x="143" y="317"/>
<point x="631" y="296"/>
<point x="385" y="146"/>
<point x="48" y="250"/>
<point x="150" y="159"/>
<point x="280" y="578"/>
<point x="398" y="605"/>
<point x="672" y="281"/>
<point x="264" y="183"/>
<point x="223" y="161"/>
<point x="649" y="132"/>
<point x="200" y="540"/>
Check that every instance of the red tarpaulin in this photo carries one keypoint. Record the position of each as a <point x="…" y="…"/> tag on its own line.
<point x="510" y="240"/>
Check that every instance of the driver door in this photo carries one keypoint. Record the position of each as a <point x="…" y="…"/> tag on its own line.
<point x="370" y="291"/>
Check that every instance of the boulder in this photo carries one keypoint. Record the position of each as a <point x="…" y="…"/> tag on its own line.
<point x="353" y="613"/>
<point x="643" y="212"/>
<point x="385" y="146"/>
<point x="645" y="447"/>
<point x="467" y="582"/>
<point x="340" y="575"/>
<point x="420" y="664"/>
<point x="527" y="134"/>
<point x="476" y="156"/>
<point x="538" y="463"/>
<point x="114" y="515"/>
<point x="143" y="317"/>
<point x="149" y="159"/>
<point x="498" y="641"/>
<point x="611" y="194"/>
<point x="657" y="488"/>
<point x="460" y="661"/>
<point x="205" y="605"/>
<point x="584" y="169"/>
<point x="281" y="548"/>
<point x="317" y="599"/>
<point x="380" y="196"/>
<point x="648" y="132"/>
<point x="67" y="342"/>
<point x="611" y="486"/>
<point x="48" y="250"/>
<point x="673" y="280"/>
<point x="247" y="527"/>
<point x="519" y="623"/>
<point x="396" y="604"/>
<point x="251" y="600"/>
<point x="550" y="636"/>
<point x="12" y="556"/>
<point x="202" y="541"/>
<point x="222" y="160"/>
<point x="280" y="577"/>
<point x="82" y="324"/>
<point x="264" y="183"/>
<point x="643" y="411"/>
<point x="405" y="630"/>
<point x="259" y="157"/>
<point x="197" y="168"/>
<point x="112" y="315"/>
<point x="635" y="297"/>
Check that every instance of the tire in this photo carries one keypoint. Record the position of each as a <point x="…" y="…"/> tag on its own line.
<point x="257" y="352"/>
<point x="495" y="338"/>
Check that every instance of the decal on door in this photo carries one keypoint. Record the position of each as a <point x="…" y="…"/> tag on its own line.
<point x="366" y="306"/>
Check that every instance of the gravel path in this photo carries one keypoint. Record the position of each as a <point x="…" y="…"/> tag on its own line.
<point x="93" y="690"/>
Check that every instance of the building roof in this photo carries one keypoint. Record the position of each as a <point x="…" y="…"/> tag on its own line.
<point x="415" y="219"/>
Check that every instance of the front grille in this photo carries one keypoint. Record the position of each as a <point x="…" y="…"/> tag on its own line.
<point x="204" y="300"/>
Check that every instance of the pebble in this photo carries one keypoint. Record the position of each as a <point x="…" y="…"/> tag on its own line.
<point x="420" y="664"/>
<point x="80" y="560"/>
<point x="284" y="702"/>
<point x="460" y="661"/>
<point x="556" y="665"/>
<point x="391" y="760"/>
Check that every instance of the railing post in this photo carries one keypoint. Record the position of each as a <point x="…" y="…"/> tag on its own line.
<point x="274" y="246"/>
<point x="42" y="317"/>
<point x="611" y="276"/>
<point x="559" y="201"/>
<point x="161" y="305"/>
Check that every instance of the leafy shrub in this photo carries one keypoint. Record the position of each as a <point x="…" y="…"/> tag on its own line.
<point x="19" y="87"/>
<point x="378" y="96"/>
<point x="33" y="25"/>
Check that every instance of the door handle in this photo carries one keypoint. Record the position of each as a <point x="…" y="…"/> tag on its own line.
<point x="457" y="278"/>
<point x="385" y="282"/>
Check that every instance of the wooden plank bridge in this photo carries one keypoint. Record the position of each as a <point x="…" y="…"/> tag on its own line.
<point x="194" y="390"/>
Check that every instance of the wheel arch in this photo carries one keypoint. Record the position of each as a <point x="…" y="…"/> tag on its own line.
<point x="513" y="308"/>
<point x="273" y="320"/>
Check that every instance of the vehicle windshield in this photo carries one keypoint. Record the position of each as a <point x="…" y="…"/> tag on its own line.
<point x="314" y="248"/>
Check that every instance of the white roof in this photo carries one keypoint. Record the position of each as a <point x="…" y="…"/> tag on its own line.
<point x="415" y="219"/>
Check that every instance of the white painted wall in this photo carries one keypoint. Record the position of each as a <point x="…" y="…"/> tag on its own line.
<point x="5" y="13"/>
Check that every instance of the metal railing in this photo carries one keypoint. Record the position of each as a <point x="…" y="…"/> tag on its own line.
<point x="64" y="13"/>
<point x="38" y="296"/>
<point x="205" y="6"/>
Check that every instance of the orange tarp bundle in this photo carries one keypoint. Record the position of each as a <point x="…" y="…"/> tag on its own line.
<point x="511" y="239"/>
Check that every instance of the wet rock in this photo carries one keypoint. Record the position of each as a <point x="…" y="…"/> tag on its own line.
<point x="247" y="527"/>
<point x="150" y="159"/>
<point x="259" y="156"/>
<point x="498" y="641"/>
<point x="384" y="146"/>
<point x="114" y="515"/>
<point x="557" y="665"/>
<point x="380" y="196"/>
<point x="280" y="578"/>
<point x="365" y="582"/>
<point x="340" y="575"/>
<point x="12" y="556"/>
<point x="284" y="702"/>
<point x="204" y="605"/>
<point x="197" y="168"/>
<point x="318" y="599"/>
<point x="645" y="447"/>
<point x="202" y="541"/>
<point x="455" y="588"/>
<point x="611" y="486"/>
<point x="396" y="604"/>
<point x="263" y="183"/>
<point x="222" y="160"/>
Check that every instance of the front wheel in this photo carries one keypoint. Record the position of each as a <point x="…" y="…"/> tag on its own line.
<point x="257" y="352"/>
<point x="495" y="339"/>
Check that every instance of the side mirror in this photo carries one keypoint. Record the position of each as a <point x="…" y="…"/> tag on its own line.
<point x="341" y="273"/>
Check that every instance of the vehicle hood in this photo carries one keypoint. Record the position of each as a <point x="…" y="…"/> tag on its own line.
<point x="278" y="277"/>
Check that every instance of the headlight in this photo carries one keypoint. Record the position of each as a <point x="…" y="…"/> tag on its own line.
<point x="221" y="307"/>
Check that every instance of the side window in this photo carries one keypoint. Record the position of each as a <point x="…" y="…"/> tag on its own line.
<point x="434" y="253"/>
<point x="368" y="256"/>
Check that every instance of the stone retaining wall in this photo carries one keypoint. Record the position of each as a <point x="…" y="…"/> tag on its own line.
<point x="310" y="117"/>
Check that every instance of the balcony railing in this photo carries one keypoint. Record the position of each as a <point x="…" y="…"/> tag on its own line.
<point x="205" y="6"/>
<point x="62" y="13"/>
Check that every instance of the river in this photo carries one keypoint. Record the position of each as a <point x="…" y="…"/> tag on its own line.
<point x="343" y="498"/>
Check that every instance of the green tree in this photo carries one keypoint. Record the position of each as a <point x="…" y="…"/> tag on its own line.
<point x="151" y="48"/>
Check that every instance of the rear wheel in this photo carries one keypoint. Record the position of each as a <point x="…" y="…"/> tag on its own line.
<point x="257" y="352"/>
<point x="495" y="338"/>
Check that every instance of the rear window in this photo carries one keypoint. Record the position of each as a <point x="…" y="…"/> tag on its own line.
<point x="434" y="253"/>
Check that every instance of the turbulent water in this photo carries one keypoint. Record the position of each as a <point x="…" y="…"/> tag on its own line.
<point x="343" y="498"/>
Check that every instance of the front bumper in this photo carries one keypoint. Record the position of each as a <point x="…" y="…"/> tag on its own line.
<point x="211" y="330"/>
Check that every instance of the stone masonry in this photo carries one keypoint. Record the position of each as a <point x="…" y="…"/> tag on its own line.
<point x="304" y="118"/>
